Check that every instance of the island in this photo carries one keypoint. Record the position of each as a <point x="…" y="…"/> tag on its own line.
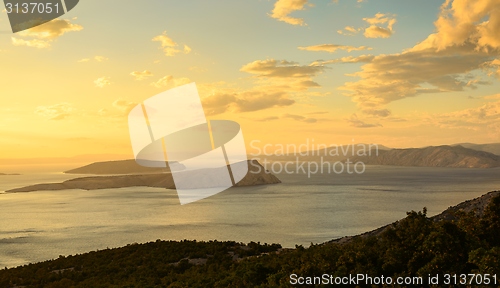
<point x="256" y="175"/>
<point x="128" y="166"/>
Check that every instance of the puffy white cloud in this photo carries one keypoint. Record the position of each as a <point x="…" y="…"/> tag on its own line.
<point x="375" y="30"/>
<point x="55" y="112"/>
<point x="466" y="21"/>
<point x="379" y="26"/>
<point x="30" y="43"/>
<point x="44" y="34"/>
<point x="141" y="75"/>
<point x="51" y="30"/>
<point x="100" y="58"/>
<point x="169" y="46"/>
<point x="102" y="82"/>
<point x="349" y="31"/>
<point x="445" y="61"/>
<point x="283" y="8"/>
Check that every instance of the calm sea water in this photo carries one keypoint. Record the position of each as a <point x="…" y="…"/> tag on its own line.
<point x="39" y="226"/>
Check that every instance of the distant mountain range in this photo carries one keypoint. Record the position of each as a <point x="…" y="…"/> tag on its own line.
<point x="434" y="156"/>
<point x="492" y="147"/>
<point x="452" y="156"/>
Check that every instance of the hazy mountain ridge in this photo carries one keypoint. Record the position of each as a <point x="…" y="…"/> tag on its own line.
<point x="491" y="147"/>
<point x="433" y="156"/>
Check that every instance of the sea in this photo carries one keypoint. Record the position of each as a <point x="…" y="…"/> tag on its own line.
<point x="303" y="209"/>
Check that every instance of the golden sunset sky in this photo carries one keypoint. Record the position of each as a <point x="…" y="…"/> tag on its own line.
<point x="393" y="72"/>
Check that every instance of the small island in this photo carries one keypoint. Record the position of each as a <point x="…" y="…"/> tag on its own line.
<point x="6" y="174"/>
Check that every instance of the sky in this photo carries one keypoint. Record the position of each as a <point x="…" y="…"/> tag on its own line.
<point x="393" y="72"/>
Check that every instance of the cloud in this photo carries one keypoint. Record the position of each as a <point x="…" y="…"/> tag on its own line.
<point x="276" y="84"/>
<point x="170" y="81"/>
<point x="102" y="82"/>
<point x="493" y="68"/>
<point x="124" y="106"/>
<point x="377" y="112"/>
<point x="379" y="26"/>
<point x="282" y="75"/>
<point x="283" y="69"/>
<point x="389" y="78"/>
<point x="35" y="43"/>
<point x="375" y="30"/>
<point x="485" y="118"/>
<point x="349" y="31"/>
<point x="300" y="118"/>
<point x="100" y="58"/>
<point x="141" y="75"/>
<point x="96" y="58"/>
<point x="445" y="61"/>
<point x="283" y="8"/>
<point x="318" y="113"/>
<point x="348" y="59"/>
<point x="51" y="30"/>
<point x="169" y="46"/>
<point x="354" y="121"/>
<point x="466" y="21"/>
<point x="333" y="47"/>
<point x="246" y="101"/>
<point x="55" y="112"/>
<point x="46" y="33"/>
<point x="267" y="119"/>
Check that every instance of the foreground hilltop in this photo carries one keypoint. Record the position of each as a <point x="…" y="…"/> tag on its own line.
<point x="408" y="251"/>
<point x="433" y="156"/>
